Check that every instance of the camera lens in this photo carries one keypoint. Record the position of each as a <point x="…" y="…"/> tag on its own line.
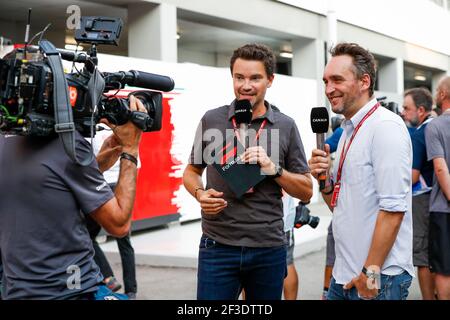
<point x="152" y="102"/>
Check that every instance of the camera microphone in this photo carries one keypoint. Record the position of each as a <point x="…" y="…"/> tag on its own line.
<point x="243" y="115"/>
<point x="319" y="125"/>
<point x="149" y="80"/>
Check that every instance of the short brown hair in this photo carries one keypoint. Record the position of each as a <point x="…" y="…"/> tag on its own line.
<point x="363" y="61"/>
<point x="258" y="52"/>
<point x="421" y="97"/>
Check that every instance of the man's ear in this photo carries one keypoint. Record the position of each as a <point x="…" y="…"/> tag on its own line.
<point x="420" y="109"/>
<point x="366" y="81"/>
<point x="270" y="80"/>
<point x="442" y="93"/>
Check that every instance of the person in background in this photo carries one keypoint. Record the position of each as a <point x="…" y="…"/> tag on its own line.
<point x="437" y="138"/>
<point x="417" y="105"/>
<point x="290" y="284"/>
<point x="333" y="140"/>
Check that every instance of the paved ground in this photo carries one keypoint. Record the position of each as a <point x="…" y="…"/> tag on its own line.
<point x="169" y="283"/>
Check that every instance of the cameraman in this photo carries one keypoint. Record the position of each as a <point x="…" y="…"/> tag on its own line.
<point x="46" y="249"/>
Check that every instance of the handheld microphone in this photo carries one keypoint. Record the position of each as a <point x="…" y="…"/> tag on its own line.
<point x="243" y="115"/>
<point x="319" y="125"/>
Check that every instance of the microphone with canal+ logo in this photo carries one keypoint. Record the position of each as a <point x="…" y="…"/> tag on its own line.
<point x="243" y="115"/>
<point x="319" y="124"/>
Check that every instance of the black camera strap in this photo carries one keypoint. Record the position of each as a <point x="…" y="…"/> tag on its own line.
<point x="64" y="124"/>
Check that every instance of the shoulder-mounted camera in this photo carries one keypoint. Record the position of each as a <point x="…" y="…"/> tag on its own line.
<point x="38" y="99"/>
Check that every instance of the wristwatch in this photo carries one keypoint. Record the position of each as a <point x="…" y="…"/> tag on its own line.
<point x="371" y="274"/>
<point x="278" y="172"/>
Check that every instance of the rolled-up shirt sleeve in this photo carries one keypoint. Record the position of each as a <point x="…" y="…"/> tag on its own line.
<point x="392" y="162"/>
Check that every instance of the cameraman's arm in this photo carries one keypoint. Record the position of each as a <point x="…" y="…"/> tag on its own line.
<point x="115" y="215"/>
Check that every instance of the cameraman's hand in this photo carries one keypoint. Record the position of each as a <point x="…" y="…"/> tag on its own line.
<point x="320" y="162"/>
<point x="109" y="153"/>
<point x="128" y="135"/>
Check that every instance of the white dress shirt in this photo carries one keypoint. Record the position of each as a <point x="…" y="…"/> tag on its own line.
<point x="376" y="176"/>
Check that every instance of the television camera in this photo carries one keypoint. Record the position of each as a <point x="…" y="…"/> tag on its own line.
<point x="38" y="99"/>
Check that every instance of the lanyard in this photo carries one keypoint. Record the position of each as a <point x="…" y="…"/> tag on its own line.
<point x="236" y="130"/>
<point x="337" y="186"/>
<point x="345" y="150"/>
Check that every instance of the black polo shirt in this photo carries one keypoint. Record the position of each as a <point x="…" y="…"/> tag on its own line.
<point x="45" y="246"/>
<point x="256" y="219"/>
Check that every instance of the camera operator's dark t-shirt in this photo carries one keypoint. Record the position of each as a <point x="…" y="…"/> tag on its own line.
<point x="45" y="247"/>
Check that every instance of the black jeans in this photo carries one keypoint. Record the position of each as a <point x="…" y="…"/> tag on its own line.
<point x="126" y="256"/>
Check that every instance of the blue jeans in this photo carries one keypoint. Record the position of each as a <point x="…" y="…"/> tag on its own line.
<point x="223" y="271"/>
<point x="392" y="288"/>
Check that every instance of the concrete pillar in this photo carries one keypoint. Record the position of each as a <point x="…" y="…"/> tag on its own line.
<point x="400" y="75"/>
<point x="152" y="31"/>
<point x="390" y="76"/>
<point x="331" y="27"/>
<point x="391" y="81"/>
<point x="309" y="62"/>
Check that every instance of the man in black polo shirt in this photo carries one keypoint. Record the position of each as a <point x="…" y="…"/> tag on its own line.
<point x="243" y="245"/>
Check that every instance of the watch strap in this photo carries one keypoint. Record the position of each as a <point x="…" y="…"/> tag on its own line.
<point x="129" y="157"/>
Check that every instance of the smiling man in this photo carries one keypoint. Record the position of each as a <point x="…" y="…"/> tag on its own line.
<point x="243" y="243"/>
<point x="370" y="190"/>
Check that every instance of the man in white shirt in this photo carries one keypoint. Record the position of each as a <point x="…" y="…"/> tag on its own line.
<point x="369" y="191"/>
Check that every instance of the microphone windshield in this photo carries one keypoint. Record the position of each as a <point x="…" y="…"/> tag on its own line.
<point x="319" y="120"/>
<point x="243" y="111"/>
